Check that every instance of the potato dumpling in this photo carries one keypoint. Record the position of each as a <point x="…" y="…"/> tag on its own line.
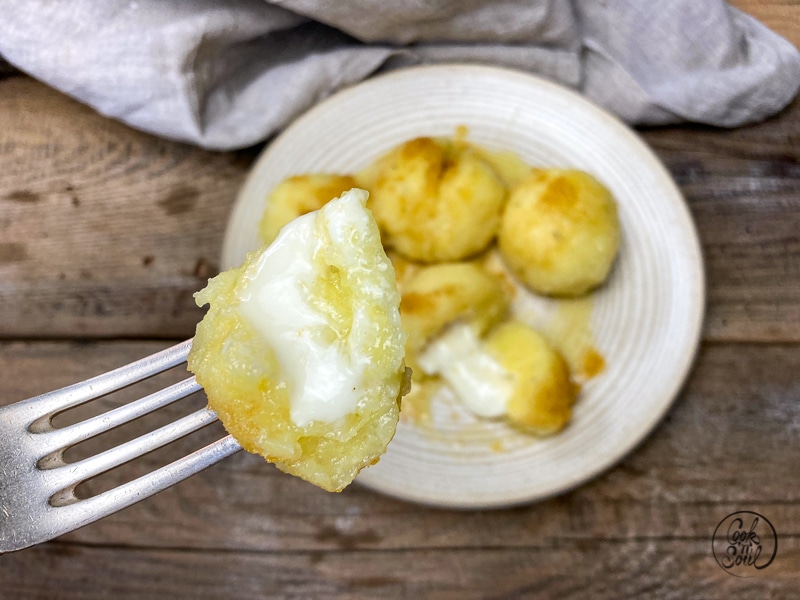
<point x="560" y="232"/>
<point x="513" y="374"/>
<point x="297" y="196"/>
<point x="477" y="379"/>
<point x="301" y="351"/>
<point x="437" y="295"/>
<point x="434" y="201"/>
<point x="542" y="393"/>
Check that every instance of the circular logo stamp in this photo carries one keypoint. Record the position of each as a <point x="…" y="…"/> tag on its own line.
<point x="744" y="543"/>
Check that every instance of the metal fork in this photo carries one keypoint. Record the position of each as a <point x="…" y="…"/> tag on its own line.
<point x="37" y="499"/>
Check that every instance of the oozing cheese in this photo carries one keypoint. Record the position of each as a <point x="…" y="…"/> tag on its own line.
<point x="323" y="376"/>
<point x="479" y="381"/>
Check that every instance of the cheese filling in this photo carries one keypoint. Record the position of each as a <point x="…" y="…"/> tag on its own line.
<point x="323" y="376"/>
<point x="477" y="379"/>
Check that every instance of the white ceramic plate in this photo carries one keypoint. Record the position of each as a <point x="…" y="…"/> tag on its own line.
<point x="646" y="321"/>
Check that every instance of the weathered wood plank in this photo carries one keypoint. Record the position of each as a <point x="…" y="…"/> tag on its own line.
<point x="103" y="230"/>
<point x="106" y="231"/>
<point x="743" y="188"/>
<point x="729" y="444"/>
<point x="600" y="570"/>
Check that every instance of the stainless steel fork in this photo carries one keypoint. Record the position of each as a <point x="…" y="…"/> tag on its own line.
<point x="37" y="499"/>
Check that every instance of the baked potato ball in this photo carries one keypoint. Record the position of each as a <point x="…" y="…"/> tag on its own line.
<point x="297" y="196"/>
<point x="435" y="296"/>
<point x="542" y="392"/>
<point x="512" y="374"/>
<point x="560" y="232"/>
<point x="301" y="350"/>
<point x="435" y="201"/>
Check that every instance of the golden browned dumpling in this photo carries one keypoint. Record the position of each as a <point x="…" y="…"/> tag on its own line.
<point x="437" y="295"/>
<point x="297" y="196"/>
<point x="435" y="201"/>
<point x="513" y="374"/>
<point x="301" y="351"/>
<point x="560" y="232"/>
<point x="542" y="392"/>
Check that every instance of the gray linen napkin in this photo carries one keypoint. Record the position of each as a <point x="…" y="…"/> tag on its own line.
<point x="229" y="73"/>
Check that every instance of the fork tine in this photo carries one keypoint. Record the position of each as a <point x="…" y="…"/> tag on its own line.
<point x="68" y="476"/>
<point x="73" y="395"/>
<point x="58" y="439"/>
<point x="90" y="510"/>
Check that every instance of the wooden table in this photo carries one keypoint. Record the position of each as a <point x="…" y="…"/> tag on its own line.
<point x="106" y="232"/>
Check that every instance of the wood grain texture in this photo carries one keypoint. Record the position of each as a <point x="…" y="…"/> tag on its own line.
<point x="107" y="232"/>
<point x="743" y="189"/>
<point x="103" y="230"/>
<point x="598" y="570"/>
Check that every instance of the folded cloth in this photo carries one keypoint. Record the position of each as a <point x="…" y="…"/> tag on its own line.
<point x="226" y="74"/>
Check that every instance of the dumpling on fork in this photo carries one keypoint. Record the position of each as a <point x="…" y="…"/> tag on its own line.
<point x="301" y="353"/>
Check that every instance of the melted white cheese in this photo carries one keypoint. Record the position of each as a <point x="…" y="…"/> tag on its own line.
<point x="323" y="377"/>
<point x="479" y="381"/>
